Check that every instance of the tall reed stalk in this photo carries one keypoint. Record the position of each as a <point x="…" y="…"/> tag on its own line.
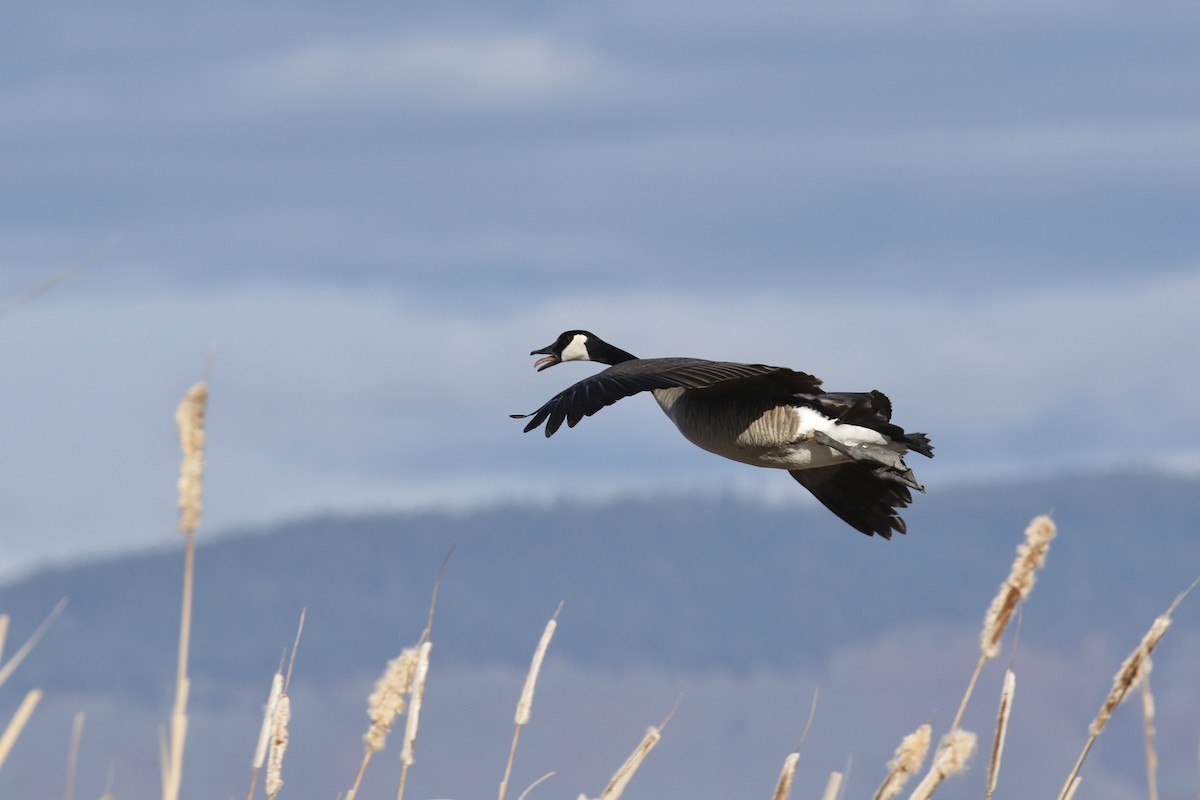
<point x="189" y="417"/>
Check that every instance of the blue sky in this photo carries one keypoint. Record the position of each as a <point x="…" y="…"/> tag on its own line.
<point x="987" y="210"/>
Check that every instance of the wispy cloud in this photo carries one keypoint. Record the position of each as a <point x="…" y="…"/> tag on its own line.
<point x="456" y="70"/>
<point x="349" y="398"/>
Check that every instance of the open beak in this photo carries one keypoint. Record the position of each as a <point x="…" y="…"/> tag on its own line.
<point x="545" y="363"/>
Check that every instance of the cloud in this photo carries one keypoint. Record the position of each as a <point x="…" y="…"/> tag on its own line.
<point x="326" y="398"/>
<point x="445" y="70"/>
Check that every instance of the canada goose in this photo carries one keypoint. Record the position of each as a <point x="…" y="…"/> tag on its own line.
<point x="841" y="446"/>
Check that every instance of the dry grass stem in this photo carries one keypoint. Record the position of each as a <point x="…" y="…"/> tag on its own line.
<point x="279" y="743"/>
<point x="413" y="720"/>
<point x="7" y="670"/>
<point x="534" y="785"/>
<point x="287" y="683"/>
<point x="951" y="758"/>
<point x="17" y="723"/>
<point x="1031" y="556"/>
<point x="783" y="788"/>
<point x="525" y="704"/>
<point x="832" y="786"/>
<point x="73" y="755"/>
<point x="1148" y="734"/>
<point x="55" y="280"/>
<point x="910" y="755"/>
<point x="620" y="779"/>
<point x="1069" y="794"/>
<point x="3" y="634"/>
<point x="1133" y="670"/>
<point x="1006" y="696"/>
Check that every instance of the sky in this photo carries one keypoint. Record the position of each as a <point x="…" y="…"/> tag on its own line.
<point x="358" y="219"/>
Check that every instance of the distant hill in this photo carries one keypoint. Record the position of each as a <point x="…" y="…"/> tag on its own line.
<point x="739" y="610"/>
<point x="677" y="582"/>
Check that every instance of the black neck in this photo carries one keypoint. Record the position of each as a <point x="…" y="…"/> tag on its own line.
<point x="605" y="353"/>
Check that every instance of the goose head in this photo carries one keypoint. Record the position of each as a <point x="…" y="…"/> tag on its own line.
<point x="579" y="346"/>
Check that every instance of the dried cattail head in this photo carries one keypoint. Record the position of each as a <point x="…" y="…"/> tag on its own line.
<point x="833" y="786"/>
<point x="264" y="732"/>
<point x="525" y="704"/>
<point x="279" y="742"/>
<point x="415" y="698"/>
<point x="1031" y="555"/>
<point x="1132" y="671"/>
<point x="951" y="758"/>
<point x="783" y="788"/>
<point x="910" y="755"/>
<point x="189" y="417"/>
<point x="388" y="698"/>
<point x="620" y="779"/>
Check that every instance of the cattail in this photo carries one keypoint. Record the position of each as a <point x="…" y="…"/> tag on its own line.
<point x="279" y="743"/>
<point x="832" y="786"/>
<point x="17" y="723"/>
<point x="387" y="701"/>
<point x="1006" y="696"/>
<point x="73" y="754"/>
<point x="189" y="417"/>
<point x="1031" y="555"/>
<point x="910" y="755"/>
<point x="624" y="774"/>
<point x="264" y="732"/>
<point x="414" y="709"/>
<point x="1130" y="675"/>
<point x="413" y="720"/>
<point x="784" y="787"/>
<point x="951" y="758"/>
<point x="1133" y="670"/>
<point x="384" y="704"/>
<point x="525" y="704"/>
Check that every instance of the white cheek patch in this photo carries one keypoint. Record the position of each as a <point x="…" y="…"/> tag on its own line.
<point x="577" y="349"/>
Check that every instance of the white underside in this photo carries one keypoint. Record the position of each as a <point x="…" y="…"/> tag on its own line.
<point x="800" y="452"/>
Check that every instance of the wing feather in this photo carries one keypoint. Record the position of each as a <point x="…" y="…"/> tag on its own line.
<point x="628" y="378"/>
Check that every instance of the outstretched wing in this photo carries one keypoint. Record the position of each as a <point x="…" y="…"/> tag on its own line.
<point x="861" y="497"/>
<point x="641" y="375"/>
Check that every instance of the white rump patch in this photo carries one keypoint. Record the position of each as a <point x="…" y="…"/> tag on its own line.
<point x="812" y="421"/>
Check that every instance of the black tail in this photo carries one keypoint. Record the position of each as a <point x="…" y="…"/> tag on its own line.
<point x="918" y="443"/>
<point x="863" y="497"/>
<point x="872" y="410"/>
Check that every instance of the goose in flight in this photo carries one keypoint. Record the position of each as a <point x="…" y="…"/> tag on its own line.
<point x="841" y="446"/>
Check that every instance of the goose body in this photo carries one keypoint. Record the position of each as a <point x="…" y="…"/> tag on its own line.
<point x="842" y="447"/>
